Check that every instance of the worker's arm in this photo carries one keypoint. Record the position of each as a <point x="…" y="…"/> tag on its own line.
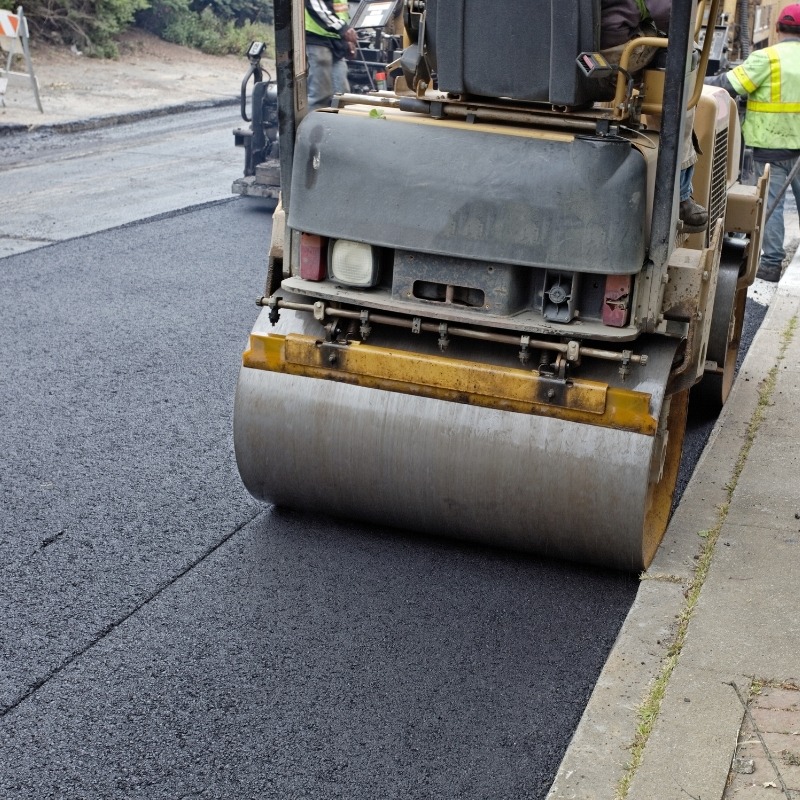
<point x="746" y="78"/>
<point x="722" y="81"/>
<point x="751" y="73"/>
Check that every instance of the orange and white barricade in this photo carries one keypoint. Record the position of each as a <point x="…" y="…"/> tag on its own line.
<point x="14" y="40"/>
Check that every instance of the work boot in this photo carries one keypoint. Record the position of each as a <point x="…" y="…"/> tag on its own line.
<point x="693" y="216"/>
<point x="769" y="272"/>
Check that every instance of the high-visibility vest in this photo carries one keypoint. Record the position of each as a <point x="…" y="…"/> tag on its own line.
<point x="771" y="80"/>
<point x="341" y="9"/>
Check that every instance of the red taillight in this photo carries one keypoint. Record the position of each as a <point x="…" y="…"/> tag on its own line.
<point x="313" y="257"/>
<point x="616" y="300"/>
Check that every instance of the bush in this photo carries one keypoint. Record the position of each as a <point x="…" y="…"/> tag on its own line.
<point x="176" y="21"/>
<point x="213" y="26"/>
<point x="91" y="25"/>
<point x="241" y="12"/>
<point x="238" y="37"/>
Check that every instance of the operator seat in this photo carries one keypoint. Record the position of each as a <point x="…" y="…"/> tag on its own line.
<point x="524" y="50"/>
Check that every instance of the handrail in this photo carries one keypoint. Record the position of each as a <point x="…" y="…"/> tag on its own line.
<point x="698" y="20"/>
<point x="624" y="61"/>
<point x="658" y="41"/>
<point x="706" y="51"/>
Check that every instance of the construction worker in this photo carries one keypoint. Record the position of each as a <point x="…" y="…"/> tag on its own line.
<point x="329" y="40"/>
<point x="770" y="78"/>
<point x="621" y="21"/>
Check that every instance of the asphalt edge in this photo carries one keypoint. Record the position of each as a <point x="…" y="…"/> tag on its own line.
<point x="598" y="756"/>
<point x="110" y="120"/>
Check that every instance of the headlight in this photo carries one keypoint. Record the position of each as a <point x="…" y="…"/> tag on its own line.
<point x="353" y="263"/>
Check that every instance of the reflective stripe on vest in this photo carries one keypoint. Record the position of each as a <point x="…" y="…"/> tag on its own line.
<point x="775" y="104"/>
<point x="771" y="79"/>
<point x="342" y="10"/>
<point x="744" y="79"/>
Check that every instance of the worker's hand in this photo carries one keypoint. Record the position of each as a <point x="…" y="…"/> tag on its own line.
<point x="350" y="38"/>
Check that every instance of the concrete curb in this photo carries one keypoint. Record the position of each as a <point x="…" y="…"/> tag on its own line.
<point x="597" y="757"/>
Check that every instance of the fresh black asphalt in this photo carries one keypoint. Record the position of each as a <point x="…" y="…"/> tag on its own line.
<point x="162" y="635"/>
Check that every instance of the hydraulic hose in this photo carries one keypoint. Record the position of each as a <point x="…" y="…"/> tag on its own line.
<point x="744" y="28"/>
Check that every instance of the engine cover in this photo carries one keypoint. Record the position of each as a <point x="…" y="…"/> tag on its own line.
<point x="475" y="191"/>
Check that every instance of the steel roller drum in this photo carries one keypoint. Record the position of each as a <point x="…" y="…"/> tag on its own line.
<point x="538" y="484"/>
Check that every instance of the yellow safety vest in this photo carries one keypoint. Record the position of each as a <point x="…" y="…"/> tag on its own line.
<point x="771" y="80"/>
<point x="341" y="9"/>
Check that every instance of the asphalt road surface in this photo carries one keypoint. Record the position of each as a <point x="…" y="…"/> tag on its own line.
<point x="58" y="186"/>
<point x="165" y="636"/>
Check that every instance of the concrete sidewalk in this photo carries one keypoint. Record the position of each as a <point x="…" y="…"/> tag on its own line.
<point x="699" y="697"/>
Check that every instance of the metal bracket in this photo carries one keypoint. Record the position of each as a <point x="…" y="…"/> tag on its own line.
<point x="366" y="328"/>
<point x="444" y="339"/>
<point x="524" y="353"/>
<point x="573" y="352"/>
<point x="274" y="310"/>
<point x="625" y="366"/>
<point x="329" y="352"/>
<point x="553" y="390"/>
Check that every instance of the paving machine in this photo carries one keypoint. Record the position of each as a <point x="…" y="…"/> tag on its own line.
<point x="484" y="319"/>
<point x="262" y="175"/>
<point x="378" y="24"/>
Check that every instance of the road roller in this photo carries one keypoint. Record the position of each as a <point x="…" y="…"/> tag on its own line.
<point x="483" y="316"/>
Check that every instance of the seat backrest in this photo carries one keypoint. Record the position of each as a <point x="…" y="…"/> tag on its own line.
<point x="521" y="49"/>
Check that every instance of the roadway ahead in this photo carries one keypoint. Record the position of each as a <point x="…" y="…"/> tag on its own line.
<point x="58" y="186"/>
<point x="164" y="636"/>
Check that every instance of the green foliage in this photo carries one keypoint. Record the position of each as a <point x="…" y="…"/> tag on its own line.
<point x="178" y="22"/>
<point x="239" y="11"/>
<point x="213" y="26"/>
<point x="238" y="37"/>
<point x="91" y="25"/>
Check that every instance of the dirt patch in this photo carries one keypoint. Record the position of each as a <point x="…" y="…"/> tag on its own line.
<point x="149" y="74"/>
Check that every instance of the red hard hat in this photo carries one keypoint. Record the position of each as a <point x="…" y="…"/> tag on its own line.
<point x="790" y="15"/>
